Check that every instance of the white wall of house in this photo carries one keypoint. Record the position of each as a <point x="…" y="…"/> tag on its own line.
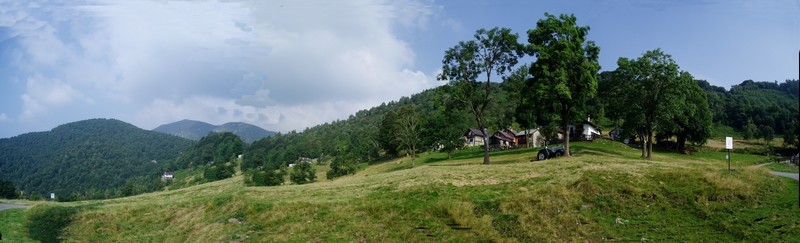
<point x="474" y="141"/>
<point x="589" y="130"/>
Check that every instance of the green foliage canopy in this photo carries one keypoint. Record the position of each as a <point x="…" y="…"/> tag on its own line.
<point x="564" y="73"/>
<point x="493" y="52"/>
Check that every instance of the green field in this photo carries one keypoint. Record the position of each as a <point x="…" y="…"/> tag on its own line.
<point x="604" y="192"/>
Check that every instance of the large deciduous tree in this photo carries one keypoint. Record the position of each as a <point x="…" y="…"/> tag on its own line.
<point x="693" y="118"/>
<point x="564" y="75"/>
<point x="493" y="52"/>
<point x="387" y="140"/>
<point x="654" y="92"/>
<point x="750" y="130"/>
<point x="407" y="130"/>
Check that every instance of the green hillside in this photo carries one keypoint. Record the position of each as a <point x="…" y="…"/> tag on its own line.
<point x="87" y="159"/>
<point x="605" y="192"/>
<point x="764" y="103"/>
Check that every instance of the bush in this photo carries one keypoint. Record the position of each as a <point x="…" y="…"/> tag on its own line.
<point x="7" y="190"/>
<point x="45" y="222"/>
<point x="215" y="173"/>
<point x="303" y="173"/>
<point x="266" y="177"/>
<point x="342" y="165"/>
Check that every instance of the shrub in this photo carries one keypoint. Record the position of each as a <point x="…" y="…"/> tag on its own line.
<point x="303" y="173"/>
<point x="7" y="190"/>
<point x="342" y="165"/>
<point x="267" y="177"/>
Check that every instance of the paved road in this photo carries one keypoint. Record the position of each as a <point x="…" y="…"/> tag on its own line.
<point x="10" y="206"/>
<point x="784" y="174"/>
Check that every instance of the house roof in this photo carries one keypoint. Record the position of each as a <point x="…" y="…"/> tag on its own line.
<point x="504" y="138"/>
<point x="530" y="131"/>
<point x="507" y="135"/>
<point x="475" y="132"/>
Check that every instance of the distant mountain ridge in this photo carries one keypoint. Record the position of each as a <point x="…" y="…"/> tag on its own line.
<point x="195" y="130"/>
<point x="94" y="157"/>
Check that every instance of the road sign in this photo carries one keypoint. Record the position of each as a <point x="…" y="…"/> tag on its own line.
<point x="728" y="142"/>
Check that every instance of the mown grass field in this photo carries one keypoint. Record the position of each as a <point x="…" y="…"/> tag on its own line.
<point x="604" y="192"/>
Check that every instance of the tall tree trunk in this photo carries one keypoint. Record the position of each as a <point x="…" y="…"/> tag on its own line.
<point x="644" y="143"/>
<point x="413" y="155"/>
<point x="649" y="143"/>
<point x="681" y="143"/>
<point x="565" y="125"/>
<point x="486" y="146"/>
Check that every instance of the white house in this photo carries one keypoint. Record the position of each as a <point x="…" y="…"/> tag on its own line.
<point x="590" y="131"/>
<point x="166" y="176"/>
<point x="586" y="131"/>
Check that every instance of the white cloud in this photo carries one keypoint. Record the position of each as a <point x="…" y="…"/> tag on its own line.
<point x="4" y="118"/>
<point x="217" y="111"/>
<point x="309" y="62"/>
<point x="42" y="93"/>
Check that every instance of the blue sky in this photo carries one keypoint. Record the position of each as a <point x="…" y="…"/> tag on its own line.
<point x="287" y="65"/>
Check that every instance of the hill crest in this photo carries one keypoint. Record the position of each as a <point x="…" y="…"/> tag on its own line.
<point x="111" y="151"/>
<point x="195" y="130"/>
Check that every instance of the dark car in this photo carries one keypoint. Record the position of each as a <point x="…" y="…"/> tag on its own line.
<point x="547" y="153"/>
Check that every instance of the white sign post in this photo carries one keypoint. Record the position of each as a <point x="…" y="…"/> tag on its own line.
<point x="52" y="196"/>
<point x="728" y="146"/>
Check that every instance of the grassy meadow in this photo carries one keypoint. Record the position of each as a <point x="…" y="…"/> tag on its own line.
<point x="604" y="192"/>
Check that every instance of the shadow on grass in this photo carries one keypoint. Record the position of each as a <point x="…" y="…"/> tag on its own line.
<point x="45" y="222"/>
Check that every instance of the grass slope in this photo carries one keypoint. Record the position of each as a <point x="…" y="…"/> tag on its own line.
<point x="11" y="225"/>
<point x="605" y="192"/>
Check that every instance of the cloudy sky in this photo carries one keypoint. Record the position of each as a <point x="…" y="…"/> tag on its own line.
<point x="287" y="65"/>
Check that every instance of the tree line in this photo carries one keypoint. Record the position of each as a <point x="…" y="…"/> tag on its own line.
<point x="648" y="97"/>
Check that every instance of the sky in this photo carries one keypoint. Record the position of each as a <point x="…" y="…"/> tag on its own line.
<point x="289" y="65"/>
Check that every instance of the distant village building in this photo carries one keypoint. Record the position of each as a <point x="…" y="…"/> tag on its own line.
<point x="503" y="139"/>
<point x="473" y="137"/>
<point x="303" y="160"/>
<point x="586" y="131"/>
<point x="530" y="138"/>
<point x="167" y="176"/>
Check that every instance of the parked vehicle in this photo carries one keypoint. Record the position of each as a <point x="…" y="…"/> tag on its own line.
<point x="547" y="153"/>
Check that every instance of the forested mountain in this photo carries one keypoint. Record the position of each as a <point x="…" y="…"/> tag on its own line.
<point x="769" y="104"/>
<point x="91" y="158"/>
<point x="195" y="130"/>
<point x="216" y="153"/>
